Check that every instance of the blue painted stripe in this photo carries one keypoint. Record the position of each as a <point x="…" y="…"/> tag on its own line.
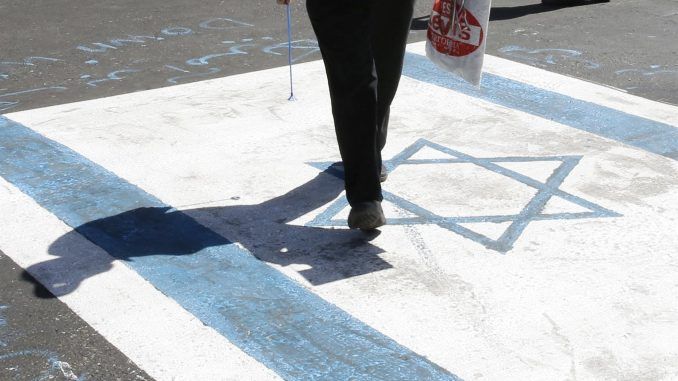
<point x="272" y="318"/>
<point x="649" y="135"/>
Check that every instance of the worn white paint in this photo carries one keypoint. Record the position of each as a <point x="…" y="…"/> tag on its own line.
<point x="152" y="330"/>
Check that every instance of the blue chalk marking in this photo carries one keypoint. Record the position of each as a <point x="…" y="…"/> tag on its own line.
<point x="531" y="212"/>
<point x="232" y="51"/>
<point x="550" y="56"/>
<point x="311" y="47"/>
<point x="646" y="134"/>
<point x="175" y="80"/>
<point x="272" y="318"/>
<point x="112" y="76"/>
<point x="29" y="61"/>
<point x="654" y="70"/>
<point x="6" y="105"/>
<point x="223" y="24"/>
<point x="102" y="48"/>
<point x="3" y="323"/>
<point x="176" y="31"/>
<point x="57" y="368"/>
<point x="55" y="88"/>
<point x="132" y="39"/>
<point x="177" y="69"/>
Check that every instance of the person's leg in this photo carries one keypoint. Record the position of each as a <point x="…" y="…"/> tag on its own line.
<point x="390" y="28"/>
<point x="342" y="28"/>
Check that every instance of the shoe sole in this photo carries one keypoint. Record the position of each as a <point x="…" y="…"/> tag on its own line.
<point x="368" y="224"/>
<point x="366" y="220"/>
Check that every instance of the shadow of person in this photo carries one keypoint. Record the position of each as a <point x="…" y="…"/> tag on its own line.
<point x="420" y="23"/>
<point x="326" y="254"/>
<point x="509" y="13"/>
<point x="496" y="14"/>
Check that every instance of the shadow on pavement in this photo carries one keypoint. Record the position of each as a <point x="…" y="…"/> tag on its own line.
<point x="509" y="13"/>
<point x="263" y="229"/>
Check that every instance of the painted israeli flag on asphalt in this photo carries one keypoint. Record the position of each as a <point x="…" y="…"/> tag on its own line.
<point x="200" y="228"/>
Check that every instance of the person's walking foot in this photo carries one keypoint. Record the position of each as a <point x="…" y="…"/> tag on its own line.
<point x="366" y="215"/>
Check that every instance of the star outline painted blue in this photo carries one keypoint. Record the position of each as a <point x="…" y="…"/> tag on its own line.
<point x="532" y="211"/>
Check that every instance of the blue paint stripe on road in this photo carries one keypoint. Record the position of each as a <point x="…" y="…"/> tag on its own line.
<point x="643" y="133"/>
<point x="272" y="318"/>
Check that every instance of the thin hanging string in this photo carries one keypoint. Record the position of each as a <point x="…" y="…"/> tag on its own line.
<point x="455" y="18"/>
<point x="289" y="50"/>
<point x="455" y="15"/>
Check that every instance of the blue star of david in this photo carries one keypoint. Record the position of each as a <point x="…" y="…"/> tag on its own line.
<point x="533" y="210"/>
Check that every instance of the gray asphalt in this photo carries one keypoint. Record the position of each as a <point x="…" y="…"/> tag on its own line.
<point x="627" y="44"/>
<point x="41" y="339"/>
<point x="61" y="51"/>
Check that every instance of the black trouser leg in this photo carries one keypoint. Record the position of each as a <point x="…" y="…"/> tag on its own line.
<point x="389" y="38"/>
<point x="360" y="41"/>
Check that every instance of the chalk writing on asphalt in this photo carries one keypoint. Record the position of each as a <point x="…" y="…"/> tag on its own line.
<point x="54" y="368"/>
<point x="548" y="56"/>
<point x="650" y="71"/>
<point x="98" y="55"/>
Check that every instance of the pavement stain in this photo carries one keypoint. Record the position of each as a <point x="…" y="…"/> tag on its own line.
<point x="607" y="366"/>
<point x="620" y="180"/>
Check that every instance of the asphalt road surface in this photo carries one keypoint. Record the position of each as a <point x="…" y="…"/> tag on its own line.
<point x="64" y="51"/>
<point x="41" y="339"/>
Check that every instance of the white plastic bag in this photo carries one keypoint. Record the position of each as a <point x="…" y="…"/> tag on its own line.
<point x="456" y="36"/>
